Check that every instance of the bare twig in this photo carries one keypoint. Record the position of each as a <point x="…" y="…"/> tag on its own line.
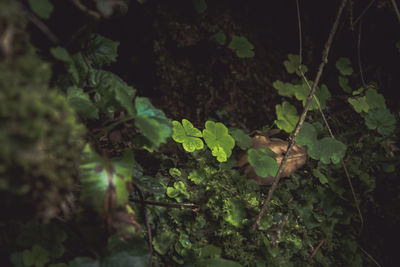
<point x="359" y="55"/>
<point x="146" y="219"/>
<point x="363" y="13"/>
<point x="39" y="24"/>
<point x="293" y="135"/>
<point x="370" y="257"/>
<point x="316" y="249"/>
<point x="165" y="204"/>
<point x="86" y="10"/>
<point x="396" y="10"/>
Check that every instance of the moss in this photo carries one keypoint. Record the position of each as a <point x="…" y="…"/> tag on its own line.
<point x="40" y="138"/>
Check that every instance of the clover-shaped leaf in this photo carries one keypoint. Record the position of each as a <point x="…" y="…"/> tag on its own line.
<point x="151" y="121"/>
<point x="372" y="99"/>
<point x="307" y="135"/>
<point x="293" y="63"/>
<point x="381" y="120"/>
<point x="242" y="47"/>
<point x="241" y="138"/>
<point x="188" y="135"/>
<point x="37" y="257"/>
<point x="344" y="67"/>
<point x="177" y="191"/>
<point x="327" y="149"/>
<point x="218" y="140"/>
<point x="284" y="89"/>
<point x="344" y="84"/>
<point x="287" y="116"/>
<point x="263" y="161"/>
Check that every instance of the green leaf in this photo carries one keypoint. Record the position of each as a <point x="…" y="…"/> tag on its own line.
<point x="359" y="104"/>
<point x="374" y="99"/>
<point x="241" y="138"/>
<point x="37" y="257"/>
<point x="210" y="251"/>
<point x="126" y="258"/>
<point x="284" y="89"/>
<point x="200" y="6"/>
<point x="307" y="135"/>
<point x="81" y="103"/>
<point x="174" y="172"/>
<point x="197" y="176"/>
<point x="152" y="122"/>
<point x="48" y="236"/>
<point x="381" y="120"/>
<point x="322" y="93"/>
<point x="371" y="100"/>
<point x="188" y="135"/>
<point x="42" y="8"/>
<point x="58" y="265"/>
<point x="322" y="178"/>
<point x="217" y="262"/>
<point x="218" y="140"/>
<point x="344" y="84"/>
<point x="344" y="67"/>
<point x="101" y="177"/>
<point x="235" y="212"/>
<point x="293" y="63"/>
<point x="112" y="92"/>
<point x="62" y="54"/>
<point x="84" y="262"/>
<point x="220" y="38"/>
<point x="263" y="161"/>
<point x="242" y="47"/>
<point x="101" y="50"/>
<point x="327" y="149"/>
<point x="177" y="191"/>
<point x="163" y="241"/>
<point x="287" y="117"/>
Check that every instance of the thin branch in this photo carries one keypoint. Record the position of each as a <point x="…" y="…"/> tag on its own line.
<point x="39" y="24"/>
<point x="363" y="13"/>
<point x="165" y="204"/>
<point x="293" y="135"/>
<point x="86" y="10"/>
<point x="370" y="257"/>
<point x="359" y="55"/>
<point x="396" y="10"/>
<point x="316" y="249"/>
<point x="146" y="219"/>
<point x="300" y="35"/>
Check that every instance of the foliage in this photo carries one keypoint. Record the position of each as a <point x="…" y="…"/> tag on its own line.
<point x="88" y="200"/>
<point x="263" y="161"/>
<point x="242" y="47"/>
<point x="292" y="65"/>
<point x="287" y="116"/>
<point x="43" y="8"/>
<point x="188" y="135"/>
<point x="218" y="140"/>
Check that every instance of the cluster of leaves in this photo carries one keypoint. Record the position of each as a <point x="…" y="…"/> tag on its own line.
<point x="215" y="228"/>
<point x="215" y="135"/>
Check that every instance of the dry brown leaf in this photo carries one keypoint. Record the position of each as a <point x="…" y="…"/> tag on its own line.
<point x="296" y="160"/>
